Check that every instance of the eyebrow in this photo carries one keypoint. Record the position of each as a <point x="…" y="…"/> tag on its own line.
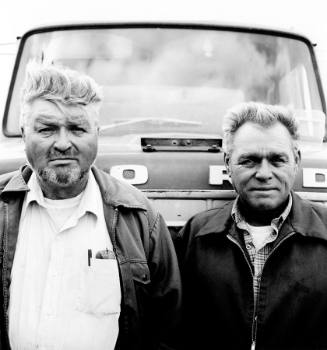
<point x="51" y="119"/>
<point x="259" y="155"/>
<point x="45" y="118"/>
<point x="78" y="121"/>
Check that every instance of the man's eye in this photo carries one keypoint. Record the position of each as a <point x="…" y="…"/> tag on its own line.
<point x="77" y="130"/>
<point x="45" y="130"/>
<point x="247" y="162"/>
<point x="278" y="161"/>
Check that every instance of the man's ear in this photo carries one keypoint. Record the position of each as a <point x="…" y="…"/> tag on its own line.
<point x="297" y="158"/>
<point x="227" y="162"/>
<point x="23" y="133"/>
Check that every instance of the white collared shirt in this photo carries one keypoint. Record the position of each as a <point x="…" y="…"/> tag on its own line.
<point x="57" y="301"/>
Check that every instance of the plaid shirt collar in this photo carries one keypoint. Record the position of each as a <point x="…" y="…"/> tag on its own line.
<point x="276" y="223"/>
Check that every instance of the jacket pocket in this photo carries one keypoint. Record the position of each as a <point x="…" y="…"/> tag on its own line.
<point x="99" y="288"/>
<point x="142" y="283"/>
<point x="140" y="272"/>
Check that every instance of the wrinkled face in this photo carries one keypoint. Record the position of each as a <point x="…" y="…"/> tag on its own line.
<point x="60" y="142"/>
<point x="262" y="165"/>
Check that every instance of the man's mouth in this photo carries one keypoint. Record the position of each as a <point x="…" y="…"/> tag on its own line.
<point x="264" y="189"/>
<point x="62" y="160"/>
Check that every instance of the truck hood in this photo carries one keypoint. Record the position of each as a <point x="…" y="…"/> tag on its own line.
<point x="178" y="171"/>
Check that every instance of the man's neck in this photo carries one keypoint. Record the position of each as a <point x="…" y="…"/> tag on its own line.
<point x="260" y="217"/>
<point x="63" y="192"/>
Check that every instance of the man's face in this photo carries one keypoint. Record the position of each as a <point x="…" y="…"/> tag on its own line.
<point x="60" y="143"/>
<point x="262" y="165"/>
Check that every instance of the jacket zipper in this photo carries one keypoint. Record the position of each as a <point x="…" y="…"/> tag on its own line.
<point x="254" y="320"/>
<point x="255" y="317"/>
<point x="254" y="329"/>
<point x="4" y="270"/>
<point x="254" y="336"/>
<point x="113" y="230"/>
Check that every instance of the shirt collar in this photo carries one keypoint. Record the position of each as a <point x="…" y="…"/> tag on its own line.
<point x="89" y="202"/>
<point x="34" y="194"/>
<point x="276" y="223"/>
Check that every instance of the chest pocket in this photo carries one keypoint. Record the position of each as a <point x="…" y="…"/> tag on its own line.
<point x="99" y="292"/>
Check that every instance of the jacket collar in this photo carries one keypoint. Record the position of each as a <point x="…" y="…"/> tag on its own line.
<point x="118" y="193"/>
<point x="18" y="182"/>
<point x="276" y="223"/>
<point x="218" y="221"/>
<point x="113" y="192"/>
<point x="305" y="218"/>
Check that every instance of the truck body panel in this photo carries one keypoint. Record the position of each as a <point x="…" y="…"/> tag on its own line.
<point x="166" y="88"/>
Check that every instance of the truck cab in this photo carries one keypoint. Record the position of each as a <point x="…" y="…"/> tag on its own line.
<point x="166" y="89"/>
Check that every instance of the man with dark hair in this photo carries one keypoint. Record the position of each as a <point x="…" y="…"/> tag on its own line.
<point x="254" y="270"/>
<point x="86" y="262"/>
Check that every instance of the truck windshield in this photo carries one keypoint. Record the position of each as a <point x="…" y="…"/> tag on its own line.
<point x="178" y="81"/>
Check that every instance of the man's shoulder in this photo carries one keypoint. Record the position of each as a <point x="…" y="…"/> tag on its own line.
<point x="308" y="205"/>
<point x="223" y="211"/>
<point x="319" y="210"/>
<point x="211" y="221"/>
<point x="120" y="193"/>
<point x="309" y="217"/>
<point x="215" y="222"/>
<point x="6" y="177"/>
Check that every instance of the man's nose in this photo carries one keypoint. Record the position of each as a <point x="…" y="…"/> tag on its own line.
<point x="63" y="142"/>
<point x="264" y="171"/>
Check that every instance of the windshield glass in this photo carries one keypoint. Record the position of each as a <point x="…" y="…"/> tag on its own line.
<point x="179" y="81"/>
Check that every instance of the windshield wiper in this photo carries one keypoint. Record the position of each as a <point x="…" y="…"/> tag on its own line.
<point x="154" y="121"/>
<point x="151" y="144"/>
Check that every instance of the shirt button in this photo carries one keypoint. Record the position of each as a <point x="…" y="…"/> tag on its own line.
<point x="248" y="247"/>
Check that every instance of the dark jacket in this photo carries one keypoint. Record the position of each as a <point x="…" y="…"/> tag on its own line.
<point x="148" y="268"/>
<point x="219" y="311"/>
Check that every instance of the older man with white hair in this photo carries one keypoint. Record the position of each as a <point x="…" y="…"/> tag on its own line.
<point x="86" y="262"/>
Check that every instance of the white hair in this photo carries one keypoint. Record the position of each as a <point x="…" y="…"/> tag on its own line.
<point x="59" y="85"/>
<point x="261" y="114"/>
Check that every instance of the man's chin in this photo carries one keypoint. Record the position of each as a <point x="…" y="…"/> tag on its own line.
<point x="61" y="177"/>
<point x="264" y="204"/>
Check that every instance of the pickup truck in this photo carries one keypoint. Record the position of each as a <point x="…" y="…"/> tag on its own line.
<point x="166" y="88"/>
